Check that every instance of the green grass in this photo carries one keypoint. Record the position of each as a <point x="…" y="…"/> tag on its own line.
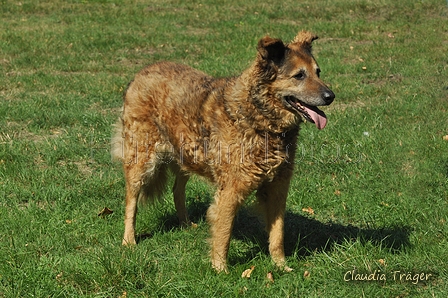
<point x="376" y="176"/>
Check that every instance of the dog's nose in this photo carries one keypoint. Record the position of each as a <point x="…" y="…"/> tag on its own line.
<point x="328" y="96"/>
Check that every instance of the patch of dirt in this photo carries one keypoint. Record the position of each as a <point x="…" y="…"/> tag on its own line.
<point x="380" y="82"/>
<point x="15" y="131"/>
<point x="197" y="31"/>
<point x="338" y="106"/>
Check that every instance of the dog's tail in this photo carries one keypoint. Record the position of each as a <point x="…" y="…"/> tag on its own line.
<point x="154" y="184"/>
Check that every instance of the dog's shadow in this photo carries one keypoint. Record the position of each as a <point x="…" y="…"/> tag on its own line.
<point x="303" y="234"/>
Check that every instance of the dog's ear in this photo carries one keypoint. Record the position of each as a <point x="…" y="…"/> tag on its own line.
<point x="304" y="39"/>
<point x="271" y="49"/>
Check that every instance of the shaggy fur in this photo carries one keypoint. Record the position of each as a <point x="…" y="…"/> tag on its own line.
<point x="239" y="133"/>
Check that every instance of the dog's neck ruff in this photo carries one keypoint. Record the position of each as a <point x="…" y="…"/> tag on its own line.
<point x="254" y="112"/>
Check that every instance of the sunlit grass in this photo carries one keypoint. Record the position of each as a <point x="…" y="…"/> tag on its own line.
<point x="370" y="190"/>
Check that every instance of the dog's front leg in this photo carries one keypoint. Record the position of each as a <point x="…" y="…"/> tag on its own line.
<point x="272" y="199"/>
<point x="221" y="216"/>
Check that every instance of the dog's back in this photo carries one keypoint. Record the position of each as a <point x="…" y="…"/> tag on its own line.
<point x="177" y="90"/>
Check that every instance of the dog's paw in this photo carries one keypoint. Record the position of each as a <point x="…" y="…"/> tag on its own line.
<point x="220" y="267"/>
<point x="129" y="242"/>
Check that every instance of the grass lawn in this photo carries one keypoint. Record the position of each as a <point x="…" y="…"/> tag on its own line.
<point x="370" y="195"/>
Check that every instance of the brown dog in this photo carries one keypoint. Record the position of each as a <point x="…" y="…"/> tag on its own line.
<point x="240" y="133"/>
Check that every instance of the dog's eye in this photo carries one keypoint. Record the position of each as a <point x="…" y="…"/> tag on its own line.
<point x="301" y="75"/>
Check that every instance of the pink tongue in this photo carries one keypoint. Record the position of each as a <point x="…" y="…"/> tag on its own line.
<point x="318" y="116"/>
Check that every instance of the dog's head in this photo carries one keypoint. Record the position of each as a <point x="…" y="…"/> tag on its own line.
<point x="292" y="74"/>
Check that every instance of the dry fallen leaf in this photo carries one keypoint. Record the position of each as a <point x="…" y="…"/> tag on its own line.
<point x="105" y="211"/>
<point x="270" y="277"/>
<point x="445" y="138"/>
<point x="382" y="262"/>
<point x="306" y="274"/>
<point x="337" y="192"/>
<point x="308" y="210"/>
<point x="247" y="272"/>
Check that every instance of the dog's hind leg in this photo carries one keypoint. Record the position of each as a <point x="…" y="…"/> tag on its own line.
<point x="272" y="199"/>
<point x="133" y="185"/>
<point x="179" y="195"/>
<point x="146" y="177"/>
<point x="144" y="181"/>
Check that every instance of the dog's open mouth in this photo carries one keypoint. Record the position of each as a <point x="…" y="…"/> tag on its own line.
<point x="310" y="113"/>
